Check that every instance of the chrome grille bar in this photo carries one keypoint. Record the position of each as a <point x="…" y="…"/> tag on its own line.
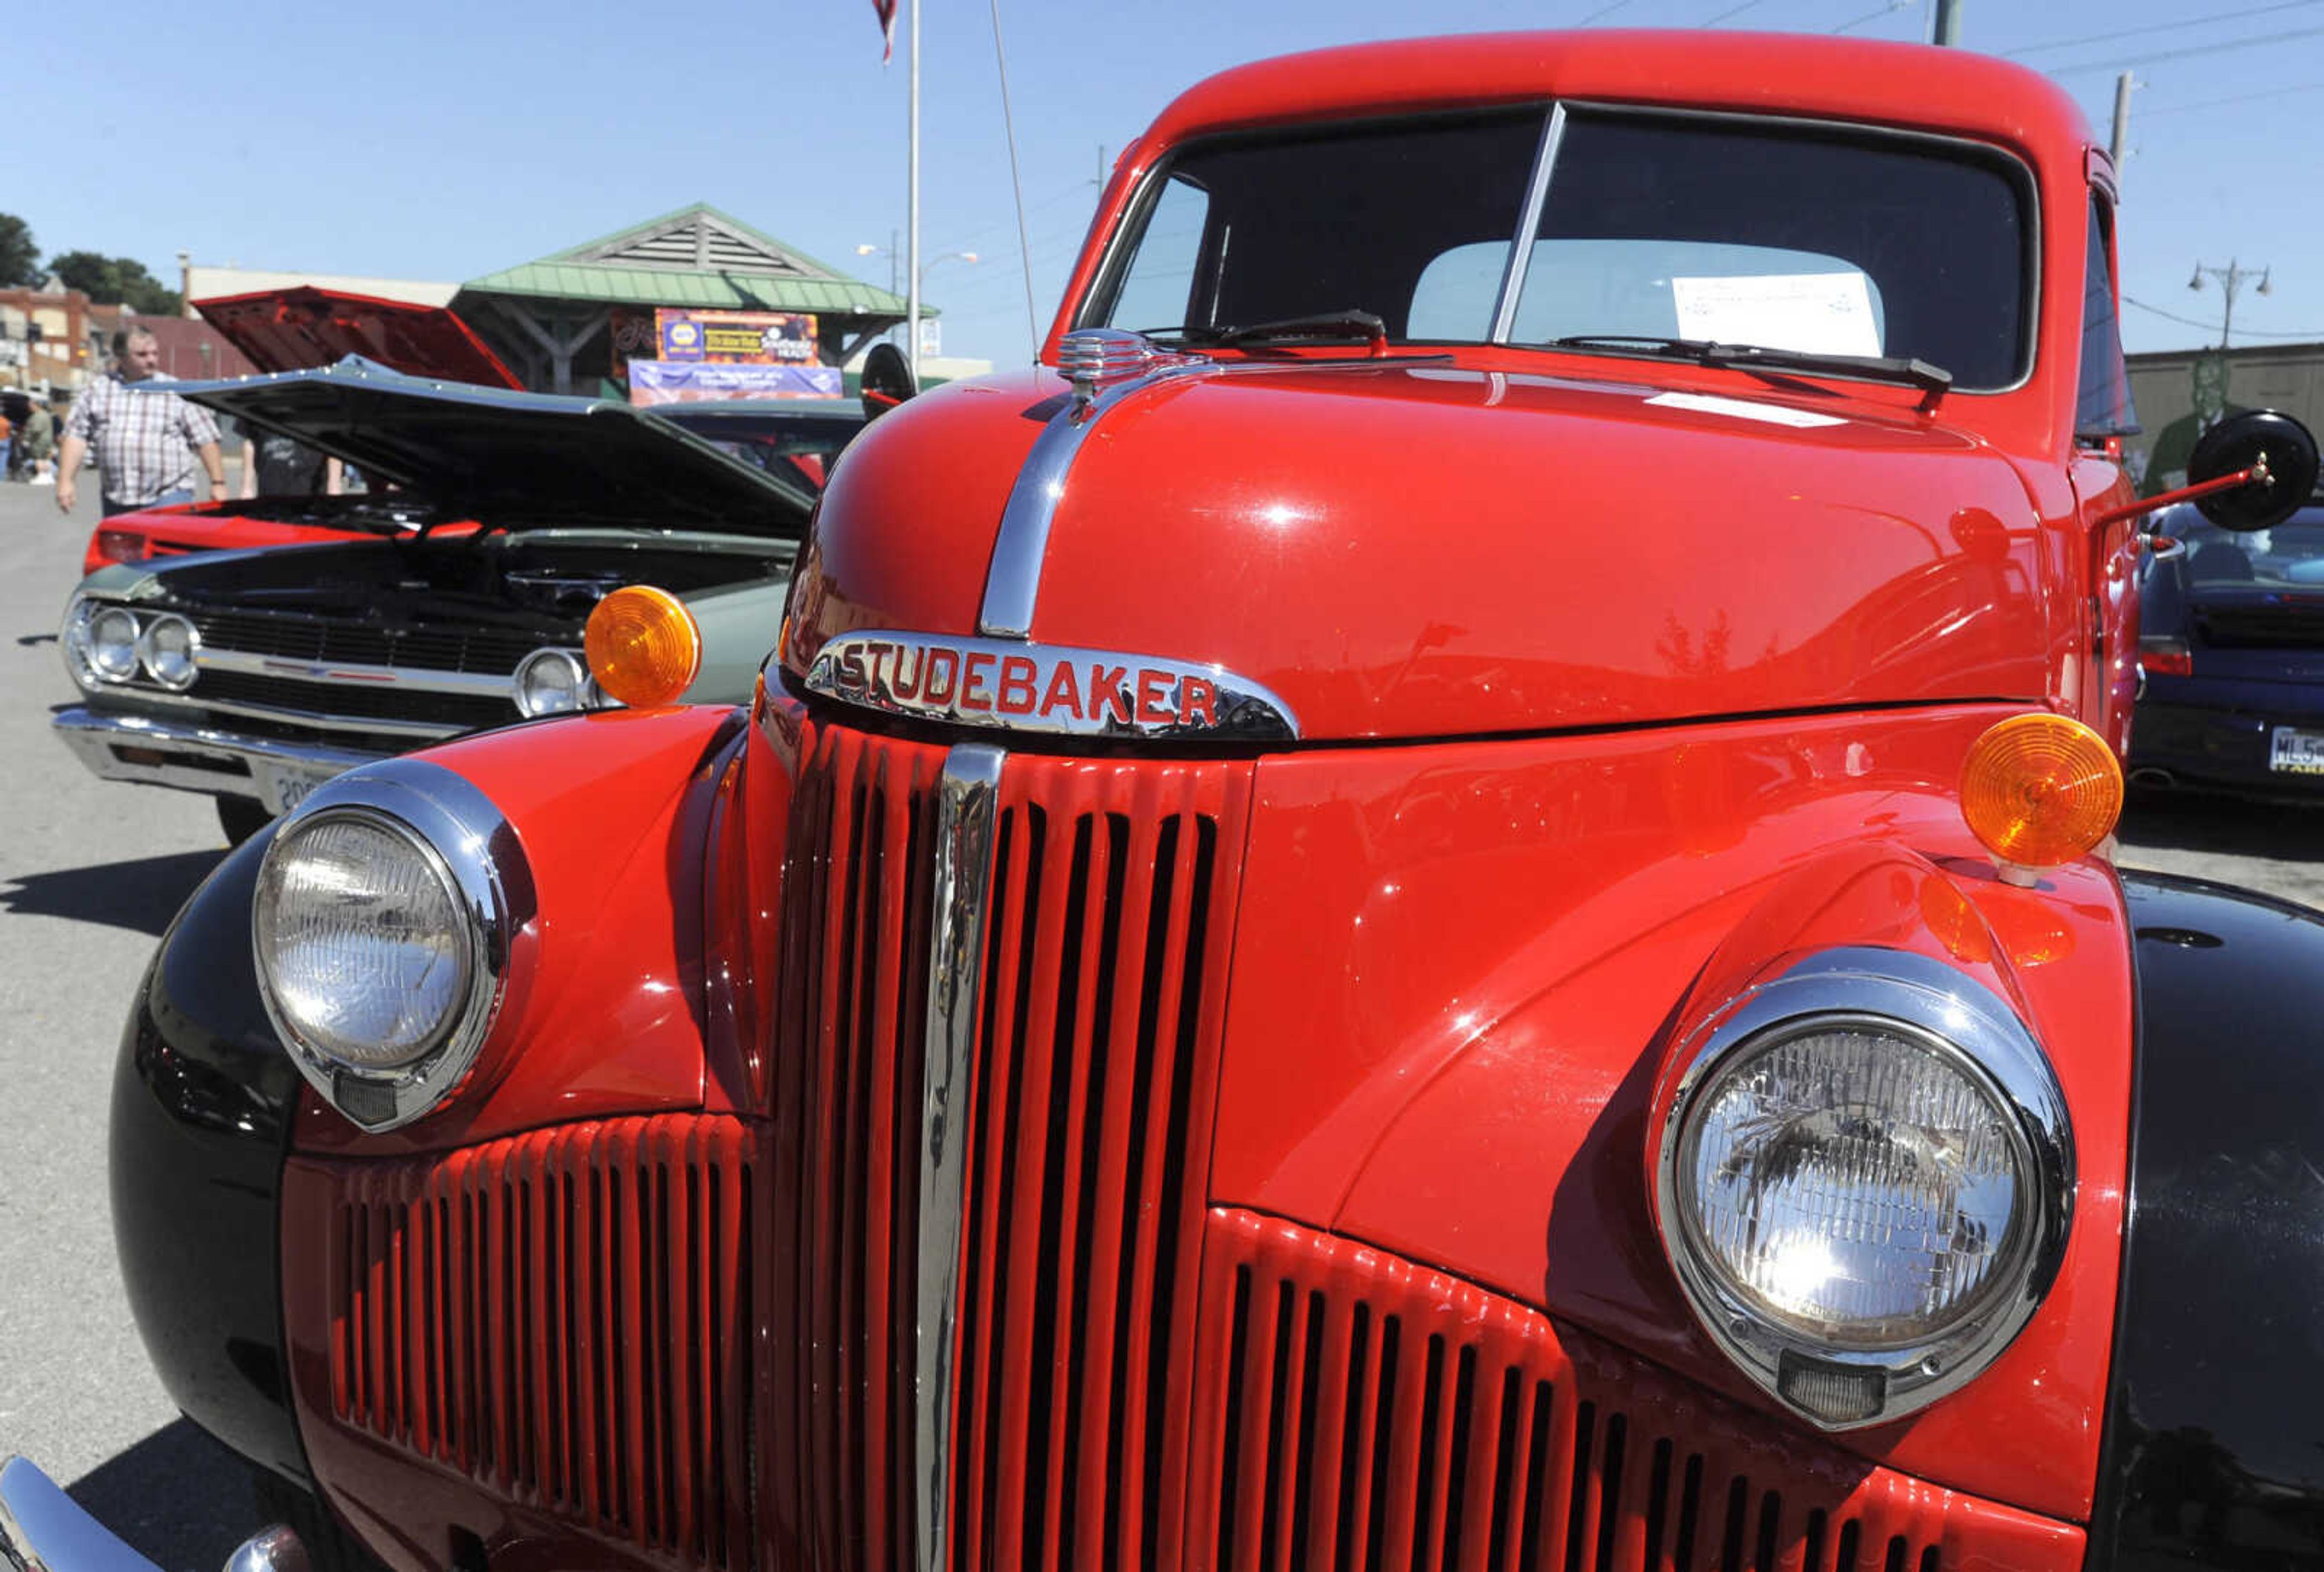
<point x="967" y="802"/>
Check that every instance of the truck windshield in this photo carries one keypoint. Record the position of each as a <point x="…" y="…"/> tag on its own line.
<point x="1654" y="227"/>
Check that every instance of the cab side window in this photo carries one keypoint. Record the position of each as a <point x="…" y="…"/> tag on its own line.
<point x="2102" y="406"/>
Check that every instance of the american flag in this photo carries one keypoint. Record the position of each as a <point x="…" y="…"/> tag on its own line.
<point x="887" y="10"/>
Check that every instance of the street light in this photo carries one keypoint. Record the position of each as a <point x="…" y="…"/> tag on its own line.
<point x="889" y="251"/>
<point x="2231" y="278"/>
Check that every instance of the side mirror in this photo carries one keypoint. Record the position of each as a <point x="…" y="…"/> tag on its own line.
<point x="887" y="381"/>
<point x="2278" y="449"/>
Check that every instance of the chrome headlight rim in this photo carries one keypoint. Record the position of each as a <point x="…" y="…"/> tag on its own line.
<point x="475" y="851"/>
<point x="145" y="645"/>
<point x="82" y="619"/>
<point x="573" y="662"/>
<point x="1936" y="1007"/>
<point x="72" y="640"/>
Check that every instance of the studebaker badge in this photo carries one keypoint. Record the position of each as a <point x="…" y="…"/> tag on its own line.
<point x="1044" y="688"/>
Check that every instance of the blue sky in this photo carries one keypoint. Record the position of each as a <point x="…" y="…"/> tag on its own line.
<point x="457" y="139"/>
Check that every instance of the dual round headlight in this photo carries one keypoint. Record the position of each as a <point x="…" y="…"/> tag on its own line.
<point x="1864" y="1180"/>
<point x="392" y="919"/>
<point x="112" y="644"/>
<point x="553" y="682"/>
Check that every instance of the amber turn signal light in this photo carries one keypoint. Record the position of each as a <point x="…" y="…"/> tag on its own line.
<point x="2039" y="791"/>
<point x="644" y="646"/>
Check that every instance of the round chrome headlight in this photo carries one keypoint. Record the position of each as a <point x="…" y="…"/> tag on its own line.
<point x="552" y="682"/>
<point x="109" y="645"/>
<point x="1865" y="1182"/>
<point x="167" y="649"/>
<point x="390" y="914"/>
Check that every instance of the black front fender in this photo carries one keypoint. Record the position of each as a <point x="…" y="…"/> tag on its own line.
<point x="2214" y="1451"/>
<point x="202" y="1098"/>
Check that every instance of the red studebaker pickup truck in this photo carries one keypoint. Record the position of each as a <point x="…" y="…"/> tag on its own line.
<point x="1440" y="899"/>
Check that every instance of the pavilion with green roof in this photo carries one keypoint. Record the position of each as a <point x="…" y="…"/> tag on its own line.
<point x="556" y="321"/>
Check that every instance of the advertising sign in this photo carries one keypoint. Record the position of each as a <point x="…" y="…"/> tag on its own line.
<point x="736" y="337"/>
<point x="677" y="382"/>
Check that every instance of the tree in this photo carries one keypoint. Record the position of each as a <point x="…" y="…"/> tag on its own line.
<point x="20" y="259"/>
<point x="115" y="281"/>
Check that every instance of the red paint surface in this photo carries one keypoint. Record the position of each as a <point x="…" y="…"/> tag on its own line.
<point x="1457" y="969"/>
<point x="296" y="329"/>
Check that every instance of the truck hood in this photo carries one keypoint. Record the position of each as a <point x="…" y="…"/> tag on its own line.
<point x="297" y="329"/>
<point x="517" y="461"/>
<point x="1404" y="551"/>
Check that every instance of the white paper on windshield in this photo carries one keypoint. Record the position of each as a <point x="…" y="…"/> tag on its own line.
<point x="1817" y="313"/>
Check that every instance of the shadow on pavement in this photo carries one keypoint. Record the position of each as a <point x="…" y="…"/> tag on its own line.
<point x="2226" y="825"/>
<point x="142" y="895"/>
<point x="179" y="1498"/>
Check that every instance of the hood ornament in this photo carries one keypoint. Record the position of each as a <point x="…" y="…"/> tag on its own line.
<point x="1094" y="359"/>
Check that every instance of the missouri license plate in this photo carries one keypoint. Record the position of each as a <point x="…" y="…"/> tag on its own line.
<point x="285" y="786"/>
<point x="2296" y="752"/>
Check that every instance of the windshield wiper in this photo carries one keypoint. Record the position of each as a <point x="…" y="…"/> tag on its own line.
<point x="1326" y="327"/>
<point x="1934" y="381"/>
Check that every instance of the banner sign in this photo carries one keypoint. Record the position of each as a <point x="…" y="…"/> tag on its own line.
<point x="677" y="382"/>
<point x="736" y="337"/>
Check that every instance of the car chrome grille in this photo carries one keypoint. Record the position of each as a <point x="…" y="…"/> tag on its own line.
<point x="354" y="701"/>
<point x="565" y="1317"/>
<point x="294" y="637"/>
<point x="1362" y="1411"/>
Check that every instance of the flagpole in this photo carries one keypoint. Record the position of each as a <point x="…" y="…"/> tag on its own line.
<point x="912" y="264"/>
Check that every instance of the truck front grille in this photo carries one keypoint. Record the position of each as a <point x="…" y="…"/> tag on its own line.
<point x="1089" y="1112"/>
<point x="1361" y="1411"/>
<point x="567" y="1318"/>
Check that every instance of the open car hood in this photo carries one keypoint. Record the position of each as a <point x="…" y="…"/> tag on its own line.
<point x="514" y="460"/>
<point x="298" y="329"/>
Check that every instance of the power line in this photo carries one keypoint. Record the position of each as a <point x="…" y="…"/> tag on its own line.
<point x="2207" y="326"/>
<point x="2181" y="54"/>
<point x="1890" y="9"/>
<point x="1731" y="11"/>
<point x="2087" y="41"/>
<point x="2238" y="98"/>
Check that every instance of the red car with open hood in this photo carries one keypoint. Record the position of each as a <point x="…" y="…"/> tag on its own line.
<point x="1441" y="898"/>
<point x="299" y="330"/>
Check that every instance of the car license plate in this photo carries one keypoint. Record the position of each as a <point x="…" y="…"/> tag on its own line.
<point x="285" y="786"/>
<point x="2296" y="752"/>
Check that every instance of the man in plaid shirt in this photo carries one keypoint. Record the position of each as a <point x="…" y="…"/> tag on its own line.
<point x="147" y="438"/>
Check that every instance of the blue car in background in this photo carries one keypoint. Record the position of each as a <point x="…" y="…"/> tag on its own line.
<point x="2231" y="657"/>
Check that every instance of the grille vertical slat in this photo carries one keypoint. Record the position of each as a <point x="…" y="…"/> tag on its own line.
<point x="844" y="1098"/>
<point x="1475" y="1435"/>
<point x="551" y="1314"/>
<point x="1095" y="1055"/>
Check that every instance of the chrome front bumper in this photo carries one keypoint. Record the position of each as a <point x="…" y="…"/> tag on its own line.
<point x="44" y="1529"/>
<point x="190" y="757"/>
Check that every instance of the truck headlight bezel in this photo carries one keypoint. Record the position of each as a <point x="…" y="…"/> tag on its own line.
<point x="470" y="849"/>
<point x="1920" y="1006"/>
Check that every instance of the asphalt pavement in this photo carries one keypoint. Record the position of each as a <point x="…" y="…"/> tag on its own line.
<point x="90" y="873"/>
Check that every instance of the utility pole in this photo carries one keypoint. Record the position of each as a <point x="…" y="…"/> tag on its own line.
<point x="2118" y="144"/>
<point x="1945" y="29"/>
<point x="2231" y="278"/>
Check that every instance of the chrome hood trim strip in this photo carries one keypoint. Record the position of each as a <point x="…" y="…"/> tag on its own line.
<point x="967" y="806"/>
<point x="1013" y="583"/>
